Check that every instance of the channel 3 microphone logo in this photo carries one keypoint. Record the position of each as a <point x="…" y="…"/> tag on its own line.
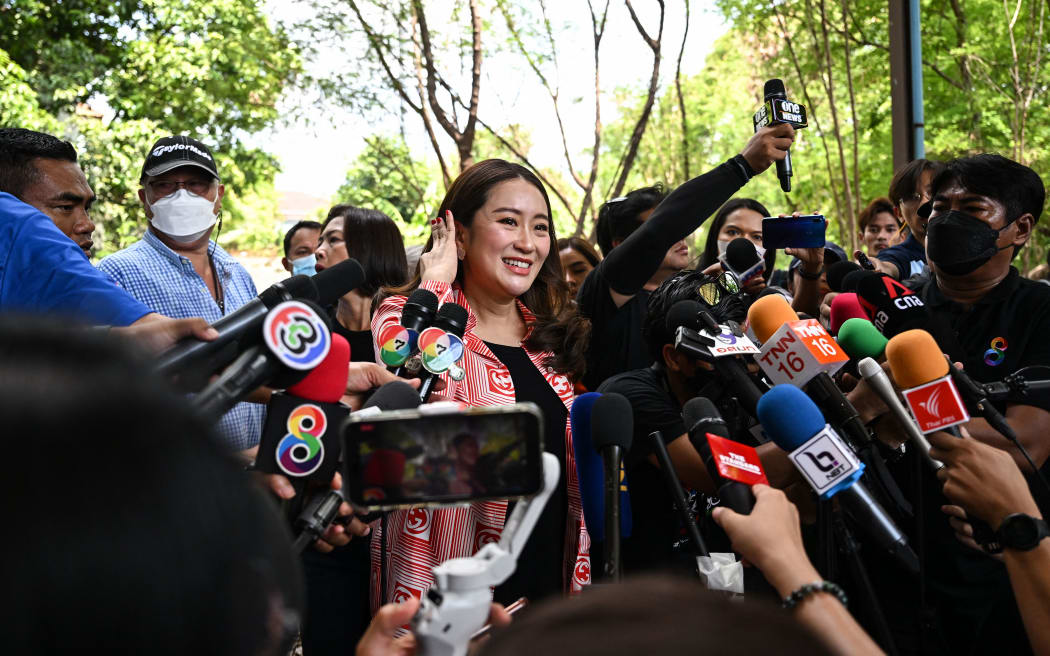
<point x="297" y="335"/>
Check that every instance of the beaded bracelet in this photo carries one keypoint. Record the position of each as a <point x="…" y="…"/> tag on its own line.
<point x="809" y="276"/>
<point x="796" y="597"/>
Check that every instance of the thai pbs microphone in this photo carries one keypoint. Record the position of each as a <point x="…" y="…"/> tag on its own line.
<point x="398" y="342"/>
<point x="795" y="424"/>
<point x="612" y="429"/>
<point x="590" y="474"/>
<point x="743" y="260"/>
<point x="195" y="360"/>
<point x="778" y="109"/>
<point x="733" y="467"/>
<point x="441" y="347"/>
<point x="296" y="338"/>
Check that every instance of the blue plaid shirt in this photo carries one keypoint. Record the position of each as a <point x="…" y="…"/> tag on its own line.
<point x="167" y="283"/>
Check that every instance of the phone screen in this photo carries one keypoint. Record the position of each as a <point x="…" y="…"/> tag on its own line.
<point x="791" y="232"/>
<point x="407" y="459"/>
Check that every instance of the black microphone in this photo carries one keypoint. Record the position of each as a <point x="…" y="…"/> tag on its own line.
<point x="439" y="352"/>
<point x="702" y="418"/>
<point x="774" y="90"/>
<point x="850" y="280"/>
<point x="612" y="429"/>
<point x="838" y="271"/>
<point x="399" y="342"/>
<point x="196" y="360"/>
<point x="893" y="308"/>
<point x="742" y="259"/>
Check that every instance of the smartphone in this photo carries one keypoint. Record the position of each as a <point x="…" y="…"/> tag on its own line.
<point x="806" y="231"/>
<point x="864" y="262"/>
<point x="426" y="457"/>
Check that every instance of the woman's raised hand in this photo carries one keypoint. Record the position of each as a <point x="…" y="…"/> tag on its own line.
<point x="441" y="263"/>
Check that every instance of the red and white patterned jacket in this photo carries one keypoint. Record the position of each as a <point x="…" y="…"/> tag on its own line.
<point x="421" y="538"/>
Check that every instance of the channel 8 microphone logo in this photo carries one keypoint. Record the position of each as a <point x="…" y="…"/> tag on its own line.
<point x="301" y="451"/>
<point x="297" y="335"/>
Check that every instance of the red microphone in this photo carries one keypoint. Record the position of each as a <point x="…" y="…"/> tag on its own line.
<point x="327" y="381"/>
<point x="844" y="307"/>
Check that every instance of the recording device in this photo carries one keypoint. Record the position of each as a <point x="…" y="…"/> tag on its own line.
<point x="195" y="360"/>
<point x="838" y="271"/>
<point x="296" y="338"/>
<point x="397" y="342"/>
<point x="316" y="518"/>
<point x="441" y="347"/>
<point x="733" y="467"/>
<point x="442" y="455"/>
<point x="806" y="231"/>
<point x="844" y="307"/>
<point x="880" y="382"/>
<point x="589" y="472"/>
<point x="860" y="339"/>
<point x="612" y="429"/>
<point x="795" y="424"/>
<point x="742" y="260"/>
<point x="865" y="263"/>
<point x="778" y="109"/>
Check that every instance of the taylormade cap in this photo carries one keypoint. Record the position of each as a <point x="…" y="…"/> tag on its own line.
<point x="172" y="152"/>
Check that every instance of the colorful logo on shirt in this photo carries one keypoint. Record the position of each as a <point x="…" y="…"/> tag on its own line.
<point x="994" y="356"/>
<point x="396" y="344"/>
<point x="439" y="350"/>
<point x="296" y="335"/>
<point x="301" y="451"/>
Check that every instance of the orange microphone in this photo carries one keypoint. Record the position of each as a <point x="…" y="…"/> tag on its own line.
<point x="922" y="374"/>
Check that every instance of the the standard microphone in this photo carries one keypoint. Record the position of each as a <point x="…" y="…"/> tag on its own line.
<point x="844" y="307"/>
<point x="708" y="432"/>
<point x="195" y="360"/>
<point x="796" y="425"/>
<point x="441" y="345"/>
<point x="880" y="382"/>
<point x="612" y="429"/>
<point x="590" y="474"/>
<point x="742" y="260"/>
<point x="838" y="271"/>
<point x="860" y="339"/>
<point x="398" y="342"/>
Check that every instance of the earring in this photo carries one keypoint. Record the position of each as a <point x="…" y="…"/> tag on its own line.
<point x="460" y="254"/>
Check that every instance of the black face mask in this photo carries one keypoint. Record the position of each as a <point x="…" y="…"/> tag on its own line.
<point x="959" y="243"/>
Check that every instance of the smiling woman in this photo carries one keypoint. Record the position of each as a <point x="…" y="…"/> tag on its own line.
<point x="493" y="251"/>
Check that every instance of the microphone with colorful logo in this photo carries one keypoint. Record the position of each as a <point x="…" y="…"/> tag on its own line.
<point x="743" y="260"/>
<point x="441" y="347"/>
<point x="398" y="342"/>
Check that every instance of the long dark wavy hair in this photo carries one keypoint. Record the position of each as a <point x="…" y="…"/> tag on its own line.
<point x="558" y="328"/>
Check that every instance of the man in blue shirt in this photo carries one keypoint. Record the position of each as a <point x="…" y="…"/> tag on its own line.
<point x="176" y="268"/>
<point x="909" y="190"/>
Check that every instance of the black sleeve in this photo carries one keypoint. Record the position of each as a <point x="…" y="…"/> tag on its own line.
<point x="631" y="264"/>
<point x="654" y="410"/>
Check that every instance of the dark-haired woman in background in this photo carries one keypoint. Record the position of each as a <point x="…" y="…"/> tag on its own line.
<point x="337" y="582"/>
<point x="739" y="217"/>
<point x="578" y="258"/>
<point x="493" y="252"/>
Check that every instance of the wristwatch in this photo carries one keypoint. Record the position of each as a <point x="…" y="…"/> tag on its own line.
<point x="1022" y="532"/>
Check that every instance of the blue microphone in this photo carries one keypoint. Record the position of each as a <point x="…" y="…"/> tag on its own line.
<point x="590" y="473"/>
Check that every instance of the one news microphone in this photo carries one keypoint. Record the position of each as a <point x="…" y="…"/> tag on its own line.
<point x="398" y="341"/>
<point x="296" y="337"/>
<point x="880" y="382"/>
<point x="195" y="360"/>
<point x="778" y="109"/>
<point x="441" y="346"/>
<point x="590" y="473"/>
<point x="796" y="425"/>
<point x="733" y="467"/>
<point x="742" y="260"/>
<point x="612" y="429"/>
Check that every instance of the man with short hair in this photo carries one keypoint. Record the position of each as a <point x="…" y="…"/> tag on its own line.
<point x="176" y="268"/>
<point x="300" y="242"/>
<point x="909" y="190"/>
<point x="879" y="226"/>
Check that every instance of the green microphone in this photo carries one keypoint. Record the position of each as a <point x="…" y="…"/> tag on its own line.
<point x="860" y="339"/>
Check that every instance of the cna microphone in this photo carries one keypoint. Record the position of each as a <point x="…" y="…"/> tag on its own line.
<point x="590" y="474"/>
<point x="743" y="260"/>
<point x="733" y="467"/>
<point x="612" y="429"/>
<point x="838" y="271"/>
<point x="796" y="425"/>
<point x="845" y="306"/>
<point x="296" y="337"/>
<point x="398" y="341"/>
<point x="891" y="306"/>
<point x="195" y="360"/>
<point x="872" y="372"/>
<point x="441" y="346"/>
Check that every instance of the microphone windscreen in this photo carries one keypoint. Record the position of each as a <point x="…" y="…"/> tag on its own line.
<point x="288" y="377"/>
<point x="612" y="422"/>
<point x="788" y="416"/>
<point x="683" y="313"/>
<point x="395" y="395"/>
<point x="915" y="359"/>
<point x="298" y="287"/>
<point x="335" y="282"/>
<point x="860" y="339"/>
<point x="327" y="381"/>
<point x="700" y="410"/>
<point x="588" y="464"/>
<point x="767" y="314"/>
<point x="741" y="254"/>
<point x="419" y="309"/>
<point x="838" y="271"/>
<point x="845" y="306"/>
<point x="775" y="88"/>
<point x="452" y="318"/>
<point x="850" y="280"/>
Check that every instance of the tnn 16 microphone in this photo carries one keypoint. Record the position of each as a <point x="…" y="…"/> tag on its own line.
<point x="612" y="429"/>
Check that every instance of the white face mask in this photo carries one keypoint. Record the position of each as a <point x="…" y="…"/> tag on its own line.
<point x="723" y="244"/>
<point x="183" y="216"/>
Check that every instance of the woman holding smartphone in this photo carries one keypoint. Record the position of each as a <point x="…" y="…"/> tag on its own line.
<point x="493" y="251"/>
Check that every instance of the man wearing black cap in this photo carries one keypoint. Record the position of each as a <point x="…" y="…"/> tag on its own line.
<point x="177" y="269"/>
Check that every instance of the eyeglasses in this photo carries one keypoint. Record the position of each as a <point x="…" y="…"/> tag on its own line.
<point x="714" y="291"/>
<point x="196" y="186"/>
